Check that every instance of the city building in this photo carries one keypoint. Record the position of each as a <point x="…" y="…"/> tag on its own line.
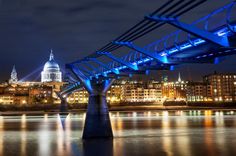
<point x="139" y="91"/>
<point x="40" y="94"/>
<point x="174" y="91"/>
<point x="78" y="97"/>
<point x="223" y="86"/>
<point x="51" y="71"/>
<point x="198" y="91"/>
<point x="125" y="91"/>
<point x="26" y="94"/>
<point x="115" y="93"/>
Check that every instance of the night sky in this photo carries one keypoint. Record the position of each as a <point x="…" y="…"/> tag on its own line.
<point x="76" y="28"/>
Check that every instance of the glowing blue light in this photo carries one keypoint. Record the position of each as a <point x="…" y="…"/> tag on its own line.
<point x="172" y="68"/>
<point x="216" y="60"/>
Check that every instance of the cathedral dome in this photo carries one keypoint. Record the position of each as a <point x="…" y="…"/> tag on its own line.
<point x="51" y="65"/>
<point x="51" y="71"/>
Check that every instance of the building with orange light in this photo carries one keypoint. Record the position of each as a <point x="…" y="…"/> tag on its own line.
<point x="198" y="91"/>
<point x="174" y="91"/>
<point x="223" y="86"/>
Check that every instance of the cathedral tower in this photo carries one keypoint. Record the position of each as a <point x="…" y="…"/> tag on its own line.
<point x="51" y="71"/>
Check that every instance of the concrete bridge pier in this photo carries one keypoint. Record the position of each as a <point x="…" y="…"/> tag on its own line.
<point x="97" y="122"/>
<point x="63" y="106"/>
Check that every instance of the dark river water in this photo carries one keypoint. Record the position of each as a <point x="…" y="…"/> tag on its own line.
<point x="183" y="133"/>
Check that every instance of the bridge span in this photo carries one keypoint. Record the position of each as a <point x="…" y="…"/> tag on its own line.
<point x="206" y="40"/>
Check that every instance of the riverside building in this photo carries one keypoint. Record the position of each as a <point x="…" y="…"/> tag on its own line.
<point x="198" y="91"/>
<point x="139" y="91"/>
<point x="223" y="86"/>
<point x="216" y="87"/>
<point x="174" y="91"/>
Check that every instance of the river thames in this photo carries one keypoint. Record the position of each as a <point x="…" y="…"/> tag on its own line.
<point x="141" y="133"/>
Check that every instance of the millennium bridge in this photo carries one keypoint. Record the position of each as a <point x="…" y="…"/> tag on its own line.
<point x="205" y="40"/>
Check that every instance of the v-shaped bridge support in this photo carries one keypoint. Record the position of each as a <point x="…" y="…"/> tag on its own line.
<point x="97" y="122"/>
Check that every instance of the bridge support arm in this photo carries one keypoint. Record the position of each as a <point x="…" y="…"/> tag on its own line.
<point x="63" y="106"/>
<point x="83" y="79"/>
<point x="129" y="65"/>
<point x="104" y="65"/>
<point x="153" y="55"/>
<point x="219" y="40"/>
<point x="97" y="122"/>
<point x="93" y="68"/>
<point x="87" y="71"/>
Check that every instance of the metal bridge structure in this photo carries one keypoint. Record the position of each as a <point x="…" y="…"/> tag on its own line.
<point x="203" y="41"/>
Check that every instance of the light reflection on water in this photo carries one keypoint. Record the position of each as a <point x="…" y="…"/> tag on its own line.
<point x="135" y="133"/>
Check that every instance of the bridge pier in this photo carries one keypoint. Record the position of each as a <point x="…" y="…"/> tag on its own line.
<point x="97" y="122"/>
<point x="63" y="109"/>
<point x="63" y="106"/>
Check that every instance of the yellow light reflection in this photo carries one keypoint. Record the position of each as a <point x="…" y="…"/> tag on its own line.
<point x="23" y="134"/>
<point x="167" y="141"/>
<point x="208" y="123"/>
<point x="117" y="114"/>
<point x="63" y="135"/>
<point x="60" y="135"/>
<point x="165" y="114"/>
<point x="23" y="142"/>
<point x="183" y="141"/>
<point x="23" y="121"/>
<point x="45" y="117"/>
<point x="44" y="139"/>
<point x="1" y="134"/>
<point x="1" y="123"/>
<point x="68" y="132"/>
<point x="208" y="113"/>
<point x="117" y="125"/>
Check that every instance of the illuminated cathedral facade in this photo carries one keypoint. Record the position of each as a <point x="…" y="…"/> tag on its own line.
<point x="51" y="71"/>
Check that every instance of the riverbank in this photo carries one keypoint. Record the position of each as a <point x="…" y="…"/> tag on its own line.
<point x="124" y="109"/>
<point x="170" y="108"/>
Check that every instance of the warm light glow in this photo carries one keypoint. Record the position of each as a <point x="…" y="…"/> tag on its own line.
<point x="165" y="114"/>
<point x="23" y="121"/>
<point x="45" y="117"/>
<point x="208" y="113"/>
